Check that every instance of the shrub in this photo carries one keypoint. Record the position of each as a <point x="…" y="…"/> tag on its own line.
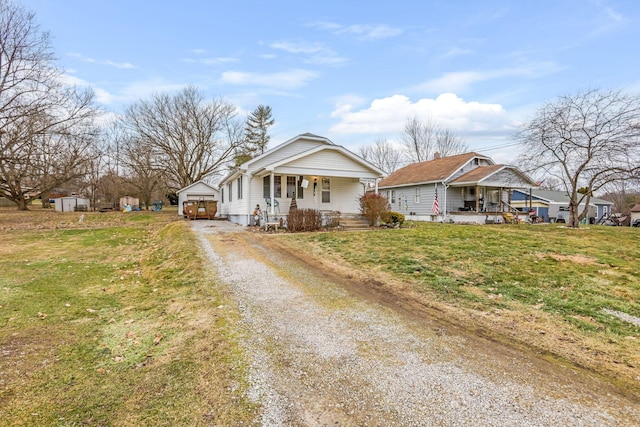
<point x="372" y="205"/>
<point x="395" y="218"/>
<point x="304" y="220"/>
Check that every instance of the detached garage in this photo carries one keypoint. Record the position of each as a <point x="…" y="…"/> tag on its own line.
<point x="197" y="191"/>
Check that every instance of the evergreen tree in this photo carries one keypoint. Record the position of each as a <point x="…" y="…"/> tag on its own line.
<point x="256" y="130"/>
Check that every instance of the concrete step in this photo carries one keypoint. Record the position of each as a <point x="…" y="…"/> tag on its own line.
<point x="353" y="224"/>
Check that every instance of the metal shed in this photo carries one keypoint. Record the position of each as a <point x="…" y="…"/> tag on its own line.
<point x="72" y="204"/>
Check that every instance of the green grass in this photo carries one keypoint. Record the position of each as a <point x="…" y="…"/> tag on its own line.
<point x="565" y="272"/>
<point x="115" y="322"/>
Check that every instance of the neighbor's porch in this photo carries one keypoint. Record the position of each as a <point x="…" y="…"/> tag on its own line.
<point x="481" y="204"/>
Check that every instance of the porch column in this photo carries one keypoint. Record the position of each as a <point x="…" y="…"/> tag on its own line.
<point x="272" y="193"/>
<point x="477" y="200"/>
<point x="376" y="185"/>
<point x="444" y="206"/>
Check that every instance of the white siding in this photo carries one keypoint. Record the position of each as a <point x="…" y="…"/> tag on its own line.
<point x="506" y="177"/>
<point x="196" y="192"/>
<point x="290" y="150"/>
<point x="328" y="163"/>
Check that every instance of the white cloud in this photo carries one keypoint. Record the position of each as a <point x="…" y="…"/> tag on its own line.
<point x="388" y="116"/>
<point x="372" y="32"/>
<point x="316" y="53"/>
<point x="122" y="65"/>
<point x="460" y="81"/>
<point x="143" y="89"/>
<point x="287" y="80"/>
<point x="367" y="32"/>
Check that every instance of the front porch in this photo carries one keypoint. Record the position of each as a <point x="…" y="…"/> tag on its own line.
<point x="331" y="220"/>
<point x="487" y="217"/>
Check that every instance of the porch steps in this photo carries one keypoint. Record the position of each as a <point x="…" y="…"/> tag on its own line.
<point x="353" y="224"/>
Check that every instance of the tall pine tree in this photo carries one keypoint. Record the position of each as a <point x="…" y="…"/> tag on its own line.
<point x="257" y="128"/>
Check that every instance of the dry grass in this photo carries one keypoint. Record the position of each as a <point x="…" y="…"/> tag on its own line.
<point x="545" y="287"/>
<point x="114" y="320"/>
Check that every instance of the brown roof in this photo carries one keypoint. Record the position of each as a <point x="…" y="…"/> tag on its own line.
<point x="429" y="171"/>
<point x="477" y="174"/>
<point x="636" y="208"/>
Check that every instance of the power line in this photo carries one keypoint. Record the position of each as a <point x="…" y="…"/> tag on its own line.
<point x="497" y="147"/>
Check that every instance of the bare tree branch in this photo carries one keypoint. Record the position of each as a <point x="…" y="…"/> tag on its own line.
<point x="189" y="138"/>
<point x="589" y="139"/>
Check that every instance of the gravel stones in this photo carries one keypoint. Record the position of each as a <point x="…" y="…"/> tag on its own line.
<point x="320" y="356"/>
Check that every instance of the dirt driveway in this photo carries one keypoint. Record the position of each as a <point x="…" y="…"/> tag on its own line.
<point x="323" y="355"/>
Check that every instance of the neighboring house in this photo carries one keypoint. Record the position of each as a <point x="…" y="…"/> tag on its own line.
<point x="469" y="187"/>
<point x="197" y="191"/>
<point x="71" y="204"/>
<point x="635" y="213"/>
<point x="553" y="206"/>
<point x="318" y="173"/>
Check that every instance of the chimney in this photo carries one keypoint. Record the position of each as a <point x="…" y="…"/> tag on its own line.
<point x="436" y="155"/>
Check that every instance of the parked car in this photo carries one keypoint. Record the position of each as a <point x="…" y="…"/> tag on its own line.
<point x="636" y="222"/>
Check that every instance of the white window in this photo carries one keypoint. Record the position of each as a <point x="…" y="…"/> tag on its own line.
<point x="326" y="190"/>
<point x="230" y="191"/>
<point x="291" y="186"/>
<point x="239" y="188"/>
<point x="277" y="185"/>
<point x="416" y="198"/>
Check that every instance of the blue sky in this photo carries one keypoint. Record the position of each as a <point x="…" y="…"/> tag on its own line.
<point x="353" y="71"/>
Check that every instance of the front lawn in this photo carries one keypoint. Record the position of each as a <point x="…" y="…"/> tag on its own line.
<point x="572" y="292"/>
<point x="114" y="319"/>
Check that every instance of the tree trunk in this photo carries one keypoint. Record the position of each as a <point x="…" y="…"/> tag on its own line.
<point x="574" y="218"/>
<point x="22" y="204"/>
<point x="45" y="200"/>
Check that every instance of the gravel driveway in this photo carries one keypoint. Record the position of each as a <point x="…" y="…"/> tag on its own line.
<point x="321" y="356"/>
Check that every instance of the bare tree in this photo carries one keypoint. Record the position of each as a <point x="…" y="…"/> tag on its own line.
<point x="419" y="138"/>
<point x="587" y="140"/>
<point x="95" y="168"/>
<point x="382" y="154"/>
<point x="449" y="144"/>
<point x="46" y="128"/>
<point x="190" y="138"/>
<point x="551" y="183"/>
<point x="141" y="171"/>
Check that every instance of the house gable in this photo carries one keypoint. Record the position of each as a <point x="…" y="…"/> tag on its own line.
<point x="494" y="176"/>
<point x="197" y="187"/>
<point x="327" y="161"/>
<point x="286" y="150"/>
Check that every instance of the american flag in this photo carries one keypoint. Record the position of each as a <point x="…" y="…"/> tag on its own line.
<point x="436" y="206"/>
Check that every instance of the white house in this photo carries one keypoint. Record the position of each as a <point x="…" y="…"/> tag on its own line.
<point x="467" y="187"/>
<point x="197" y="191"/>
<point x="318" y="173"/>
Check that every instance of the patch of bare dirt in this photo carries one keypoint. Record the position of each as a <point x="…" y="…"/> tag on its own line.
<point x="578" y="259"/>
